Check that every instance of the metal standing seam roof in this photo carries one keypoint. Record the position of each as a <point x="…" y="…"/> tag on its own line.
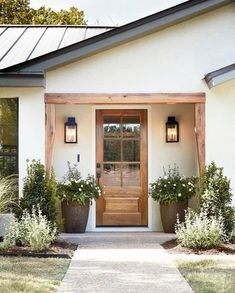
<point x="25" y="42"/>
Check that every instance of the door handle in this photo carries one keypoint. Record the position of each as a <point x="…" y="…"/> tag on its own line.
<point x="98" y="175"/>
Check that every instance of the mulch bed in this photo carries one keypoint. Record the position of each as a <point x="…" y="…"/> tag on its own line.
<point x="59" y="249"/>
<point x="173" y="248"/>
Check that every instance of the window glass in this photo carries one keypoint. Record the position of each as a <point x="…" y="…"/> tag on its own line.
<point x="8" y="137"/>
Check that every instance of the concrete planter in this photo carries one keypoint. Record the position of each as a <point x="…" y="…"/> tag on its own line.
<point x="75" y="217"/>
<point x="5" y="220"/>
<point x="169" y="213"/>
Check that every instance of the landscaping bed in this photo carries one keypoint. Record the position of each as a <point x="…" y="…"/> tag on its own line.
<point x="59" y="249"/>
<point x="173" y="248"/>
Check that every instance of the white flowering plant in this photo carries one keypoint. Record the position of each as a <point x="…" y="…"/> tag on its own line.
<point x="200" y="231"/>
<point x="172" y="187"/>
<point x="75" y="189"/>
<point x="32" y="230"/>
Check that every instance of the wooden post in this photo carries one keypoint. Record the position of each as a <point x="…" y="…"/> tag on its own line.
<point x="200" y="134"/>
<point x="50" y="135"/>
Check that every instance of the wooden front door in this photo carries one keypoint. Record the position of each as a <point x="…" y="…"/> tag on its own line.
<point x="121" y="166"/>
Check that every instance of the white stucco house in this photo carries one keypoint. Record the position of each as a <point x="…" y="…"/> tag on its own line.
<point x="121" y="84"/>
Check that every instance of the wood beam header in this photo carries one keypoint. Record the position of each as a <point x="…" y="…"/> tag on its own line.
<point x="124" y="98"/>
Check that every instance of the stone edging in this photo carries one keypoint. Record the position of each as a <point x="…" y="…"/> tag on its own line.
<point x="39" y="255"/>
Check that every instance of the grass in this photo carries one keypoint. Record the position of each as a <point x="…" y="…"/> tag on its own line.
<point x="208" y="276"/>
<point x="34" y="275"/>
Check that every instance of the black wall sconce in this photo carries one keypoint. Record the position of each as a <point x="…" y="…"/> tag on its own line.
<point x="172" y="130"/>
<point x="70" y="131"/>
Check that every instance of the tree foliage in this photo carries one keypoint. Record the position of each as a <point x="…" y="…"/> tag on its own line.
<point x="20" y="12"/>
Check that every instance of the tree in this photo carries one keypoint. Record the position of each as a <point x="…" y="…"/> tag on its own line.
<point x="15" y="12"/>
<point x="48" y="16"/>
<point x="20" y="12"/>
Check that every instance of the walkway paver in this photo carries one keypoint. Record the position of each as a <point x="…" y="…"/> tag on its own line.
<point x="122" y="262"/>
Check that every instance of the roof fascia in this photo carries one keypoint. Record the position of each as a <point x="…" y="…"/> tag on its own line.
<point x="22" y="80"/>
<point x="220" y="76"/>
<point x="119" y="35"/>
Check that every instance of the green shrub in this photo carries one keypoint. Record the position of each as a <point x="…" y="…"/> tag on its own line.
<point x="200" y="231"/>
<point x="39" y="189"/>
<point x="8" y="193"/>
<point x="215" y="197"/>
<point x="32" y="230"/>
<point x="172" y="187"/>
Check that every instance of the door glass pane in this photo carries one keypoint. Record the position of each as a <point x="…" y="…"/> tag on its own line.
<point x="131" y="126"/>
<point x="112" y="150"/>
<point x="112" y="127"/>
<point x="131" y="150"/>
<point x="131" y="174"/>
<point x="112" y="175"/>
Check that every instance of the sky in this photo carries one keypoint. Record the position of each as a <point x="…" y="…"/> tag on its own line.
<point x="109" y="12"/>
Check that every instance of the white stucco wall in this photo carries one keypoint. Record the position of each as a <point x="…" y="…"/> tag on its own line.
<point x="160" y="153"/>
<point x="31" y="125"/>
<point x="172" y="60"/>
<point x="220" y="129"/>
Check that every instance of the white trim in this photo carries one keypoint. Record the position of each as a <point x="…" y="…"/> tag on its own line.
<point x="92" y="216"/>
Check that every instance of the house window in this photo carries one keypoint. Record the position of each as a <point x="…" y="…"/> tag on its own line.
<point x="8" y="137"/>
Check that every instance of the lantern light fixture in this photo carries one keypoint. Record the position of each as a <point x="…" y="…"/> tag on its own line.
<point x="172" y="130"/>
<point x="70" y="131"/>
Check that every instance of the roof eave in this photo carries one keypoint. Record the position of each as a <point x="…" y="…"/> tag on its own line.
<point x="25" y="80"/>
<point x="220" y="76"/>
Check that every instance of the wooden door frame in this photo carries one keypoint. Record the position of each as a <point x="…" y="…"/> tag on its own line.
<point x="53" y="99"/>
<point x="143" y="158"/>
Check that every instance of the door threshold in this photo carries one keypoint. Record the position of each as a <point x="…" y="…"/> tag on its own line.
<point x="121" y="229"/>
<point x="122" y="226"/>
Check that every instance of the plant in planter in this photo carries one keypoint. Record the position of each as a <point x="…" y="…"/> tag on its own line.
<point x="172" y="191"/>
<point x="76" y="195"/>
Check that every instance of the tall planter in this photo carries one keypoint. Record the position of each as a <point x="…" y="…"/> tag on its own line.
<point x="5" y="220"/>
<point x="75" y="216"/>
<point x="169" y="214"/>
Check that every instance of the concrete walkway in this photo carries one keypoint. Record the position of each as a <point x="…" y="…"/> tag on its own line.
<point x="122" y="262"/>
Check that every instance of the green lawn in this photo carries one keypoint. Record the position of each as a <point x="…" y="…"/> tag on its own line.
<point x="31" y="274"/>
<point x="208" y="276"/>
